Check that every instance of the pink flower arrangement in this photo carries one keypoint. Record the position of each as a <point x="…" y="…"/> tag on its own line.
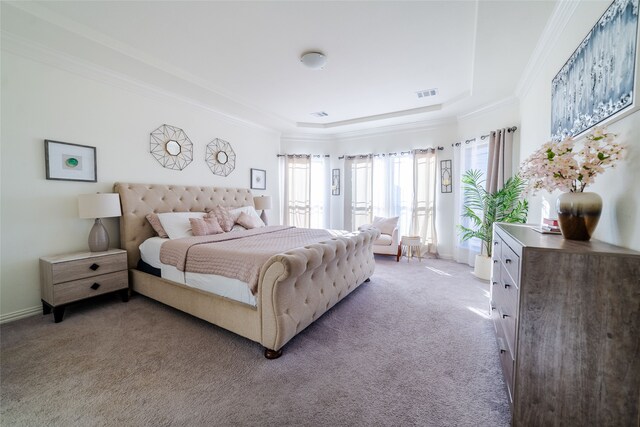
<point x="558" y="166"/>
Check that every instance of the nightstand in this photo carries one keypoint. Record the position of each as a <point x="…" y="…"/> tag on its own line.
<point x="411" y="244"/>
<point x="73" y="277"/>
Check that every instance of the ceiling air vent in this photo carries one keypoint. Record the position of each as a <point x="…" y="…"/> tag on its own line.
<point x="427" y="93"/>
<point x="319" y="114"/>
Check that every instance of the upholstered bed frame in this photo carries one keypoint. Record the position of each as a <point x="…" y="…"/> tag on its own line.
<point x="295" y="288"/>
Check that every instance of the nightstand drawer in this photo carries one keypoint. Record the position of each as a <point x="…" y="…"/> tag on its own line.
<point x="84" y="288"/>
<point x="88" y="267"/>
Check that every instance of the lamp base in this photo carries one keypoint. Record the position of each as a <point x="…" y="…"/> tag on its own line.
<point x="98" y="237"/>
<point x="263" y="217"/>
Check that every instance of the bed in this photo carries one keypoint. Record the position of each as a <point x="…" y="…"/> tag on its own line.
<point x="294" y="288"/>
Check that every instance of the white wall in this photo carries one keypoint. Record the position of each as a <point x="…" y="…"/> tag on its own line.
<point x="39" y="217"/>
<point x="620" y="221"/>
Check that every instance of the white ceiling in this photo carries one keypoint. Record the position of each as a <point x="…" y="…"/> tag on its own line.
<point x="243" y="57"/>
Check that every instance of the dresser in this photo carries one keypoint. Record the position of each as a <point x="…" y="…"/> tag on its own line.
<point x="567" y="322"/>
<point x="73" y="277"/>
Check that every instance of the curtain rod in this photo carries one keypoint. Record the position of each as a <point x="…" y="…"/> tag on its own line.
<point x="402" y="153"/>
<point x="483" y="137"/>
<point x="303" y="155"/>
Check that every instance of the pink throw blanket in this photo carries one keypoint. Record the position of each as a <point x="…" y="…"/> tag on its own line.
<point x="238" y="255"/>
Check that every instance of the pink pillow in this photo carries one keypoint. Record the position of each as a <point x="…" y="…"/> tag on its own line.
<point x="221" y="214"/>
<point x="157" y="226"/>
<point x="249" y="221"/>
<point x="205" y="226"/>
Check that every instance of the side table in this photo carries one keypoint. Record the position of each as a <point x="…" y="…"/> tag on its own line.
<point x="410" y="245"/>
<point x="74" y="277"/>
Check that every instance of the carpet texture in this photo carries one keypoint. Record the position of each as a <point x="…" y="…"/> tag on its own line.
<point x="412" y="347"/>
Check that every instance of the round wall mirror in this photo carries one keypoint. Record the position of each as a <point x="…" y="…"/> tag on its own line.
<point x="172" y="147"/>
<point x="222" y="157"/>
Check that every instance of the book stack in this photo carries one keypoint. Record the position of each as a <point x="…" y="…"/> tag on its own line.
<point x="550" y="225"/>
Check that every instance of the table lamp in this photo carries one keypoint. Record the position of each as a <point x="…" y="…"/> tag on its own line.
<point x="99" y="205"/>
<point x="263" y="203"/>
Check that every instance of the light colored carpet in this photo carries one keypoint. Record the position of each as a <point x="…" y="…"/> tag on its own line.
<point x="412" y="347"/>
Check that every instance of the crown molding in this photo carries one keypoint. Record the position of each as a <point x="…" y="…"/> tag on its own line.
<point x="371" y="118"/>
<point x="555" y="25"/>
<point x="488" y="108"/>
<point x="37" y="52"/>
<point x="307" y="137"/>
<point x="419" y="126"/>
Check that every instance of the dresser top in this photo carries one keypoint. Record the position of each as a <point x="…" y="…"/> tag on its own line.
<point x="80" y="255"/>
<point x="529" y="238"/>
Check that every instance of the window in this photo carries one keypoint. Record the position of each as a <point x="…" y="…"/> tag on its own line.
<point x="306" y="191"/>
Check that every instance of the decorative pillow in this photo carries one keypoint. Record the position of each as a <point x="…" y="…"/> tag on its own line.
<point x="222" y="215"/>
<point x="157" y="226"/>
<point x="385" y="225"/>
<point x="205" y="226"/>
<point x="177" y="224"/>
<point x="235" y="213"/>
<point x="237" y="227"/>
<point x="249" y="221"/>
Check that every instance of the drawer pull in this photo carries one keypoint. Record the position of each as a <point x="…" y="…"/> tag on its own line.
<point x="496" y="243"/>
<point x="507" y="286"/>
<point x="508" y="261"/>
<point x="503" y="348"/>
<point x="494" y="283"/>
<point x="504" y="316"/>
<point x="95" y="286"/>
<point x="94" y="266"/>
<point x="495" y="261"/>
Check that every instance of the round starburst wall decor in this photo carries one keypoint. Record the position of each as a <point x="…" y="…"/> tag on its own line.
<point x="220" y="157"/>
<point x="171" y="147"/>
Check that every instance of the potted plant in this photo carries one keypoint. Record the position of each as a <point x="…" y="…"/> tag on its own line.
<point x="484" y="208"/>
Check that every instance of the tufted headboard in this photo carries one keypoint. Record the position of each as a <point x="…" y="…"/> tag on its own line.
<point x="138" y="200"/>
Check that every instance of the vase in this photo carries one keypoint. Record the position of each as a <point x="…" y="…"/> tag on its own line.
<point x="578" y="214"/>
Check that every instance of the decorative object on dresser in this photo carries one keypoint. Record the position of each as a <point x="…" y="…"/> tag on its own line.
<point x="73" y="277"/>
<point x="598" y="80"/>
<point x="446" y="183"/>
<point x="171" y="147"/>
<point x="484" y="208"/>
<point x="562" y="166"/>
<point x="220" y="157"/>
<point x="262" y="203"/>
<point x="70" y="162"/>
<point x="258" y="179"/>
<point x="567" y="322"/>
<point x="335" y="182"/>
<point x="99" y="205"/>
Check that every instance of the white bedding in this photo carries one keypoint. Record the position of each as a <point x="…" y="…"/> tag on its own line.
<point x="219" y="285"/>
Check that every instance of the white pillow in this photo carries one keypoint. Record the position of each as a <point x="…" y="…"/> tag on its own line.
<point x="385" y="225"/>
<point x="250" y="210"/>
<point x="177" y="224"/>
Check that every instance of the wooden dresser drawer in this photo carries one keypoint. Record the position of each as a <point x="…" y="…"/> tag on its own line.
<point x="84" y="288"/>
<point x="507" y="362"/>
<point x="88" y="267"/>
<point x="511" y="262"/>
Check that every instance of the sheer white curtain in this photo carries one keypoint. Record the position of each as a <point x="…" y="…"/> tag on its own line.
<point x="473" y="154"/>
<point x="305" y="190"/>
<point x="358" y="191"/>
<point x="424" y="199"/>
<point x="393" y="185"/>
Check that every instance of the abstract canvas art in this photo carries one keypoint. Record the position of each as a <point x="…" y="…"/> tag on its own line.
<point x="598" y="80"/>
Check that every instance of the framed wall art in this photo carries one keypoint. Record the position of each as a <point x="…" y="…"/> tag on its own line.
<point x="70" y="162"/>
<point x="598" y="81"/>
<point x="446" y="182"/>
<point x="335" y="182"/>
<point x="258" y="179"/>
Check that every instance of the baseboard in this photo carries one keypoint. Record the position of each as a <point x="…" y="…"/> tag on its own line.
<point x="20" y="314"/>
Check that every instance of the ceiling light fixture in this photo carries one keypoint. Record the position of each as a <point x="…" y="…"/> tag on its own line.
<point x="314" y="60"/>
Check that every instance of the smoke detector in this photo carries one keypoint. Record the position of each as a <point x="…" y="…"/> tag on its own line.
<point x="314" y="60"/>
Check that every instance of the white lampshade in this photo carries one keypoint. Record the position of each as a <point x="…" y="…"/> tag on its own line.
<point x="99" y="205"/>
<point x="262" y="202"/>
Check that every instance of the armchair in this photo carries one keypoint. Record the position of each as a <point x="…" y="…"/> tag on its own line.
<point x="388" y="243"/>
